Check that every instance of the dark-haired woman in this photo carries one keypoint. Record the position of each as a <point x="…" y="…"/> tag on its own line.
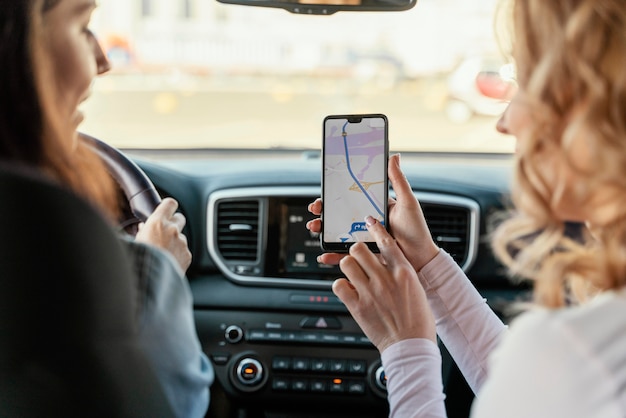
<point x="49" y="59"/>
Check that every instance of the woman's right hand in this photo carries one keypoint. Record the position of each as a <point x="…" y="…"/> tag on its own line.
<point x="383" y="293"/>
<point x="164" y="229"/>
<point x="406" y="222"/>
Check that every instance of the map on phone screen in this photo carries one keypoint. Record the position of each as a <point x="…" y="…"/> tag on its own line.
<point x="355" y="177"/>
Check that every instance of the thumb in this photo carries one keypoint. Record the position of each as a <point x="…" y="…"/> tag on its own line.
<point x="398" y="180"/>
<point x="166" y="208"/>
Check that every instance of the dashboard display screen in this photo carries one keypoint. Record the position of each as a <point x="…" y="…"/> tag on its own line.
<point x="299" y="248"/>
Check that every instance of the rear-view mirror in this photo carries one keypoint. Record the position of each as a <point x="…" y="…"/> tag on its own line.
<point x="328" y="7"/>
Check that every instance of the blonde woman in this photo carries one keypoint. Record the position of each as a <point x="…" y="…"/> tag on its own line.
<point x="567" y="356"/>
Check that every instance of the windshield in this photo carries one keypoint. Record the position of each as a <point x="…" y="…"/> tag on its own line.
<point x="201" y="74"/>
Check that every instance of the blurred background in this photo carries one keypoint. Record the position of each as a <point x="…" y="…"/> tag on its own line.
<point x="201" y="74"/>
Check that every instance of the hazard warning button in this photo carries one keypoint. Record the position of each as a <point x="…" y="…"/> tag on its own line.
<point x="320" y="322"/>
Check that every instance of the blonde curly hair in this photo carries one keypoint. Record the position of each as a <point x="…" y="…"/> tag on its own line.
<point x="571" y="67"/>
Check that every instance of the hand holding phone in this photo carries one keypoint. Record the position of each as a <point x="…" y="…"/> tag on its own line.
<point x="355" y="154"/>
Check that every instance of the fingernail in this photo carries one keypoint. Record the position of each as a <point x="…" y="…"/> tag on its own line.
<point x="369" y="221"/>
<point x="319" y="259"/>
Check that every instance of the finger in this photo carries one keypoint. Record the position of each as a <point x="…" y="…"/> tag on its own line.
<point x="166" y="208"/>
<point x="183" y="240"/>
<point x="373" y="265"/>
<point x="179" y="220"/>
<point x="344" y="290"/>
<point x="332" y="259"/>
<point x="351" y="267"/>
<point x="316" y="207"/>
<point x="389" y="249"/>
<point x="314" y="225"/>
<point x="398" y="180"/>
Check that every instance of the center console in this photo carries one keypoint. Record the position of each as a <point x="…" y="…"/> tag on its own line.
<point x="295" y="361"/>
<point x="281" y="343"/>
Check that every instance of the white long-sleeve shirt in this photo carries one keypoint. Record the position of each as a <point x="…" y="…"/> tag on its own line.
<point x="569" y="362"/>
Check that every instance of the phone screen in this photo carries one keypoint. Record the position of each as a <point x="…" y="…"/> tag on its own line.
<point x="354" y="180"/>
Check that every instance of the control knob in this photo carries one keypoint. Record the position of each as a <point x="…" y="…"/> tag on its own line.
<point x="233" y="334"/>
<point x="249" y="374"/>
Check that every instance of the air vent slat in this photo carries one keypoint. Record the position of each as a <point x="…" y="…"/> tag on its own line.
<point x="238" y="230"/>
<point x="450" y="228"/>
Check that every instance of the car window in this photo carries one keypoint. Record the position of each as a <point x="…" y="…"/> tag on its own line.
<point x="202" y="74"/>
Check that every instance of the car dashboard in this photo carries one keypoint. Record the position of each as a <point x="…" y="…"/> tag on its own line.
<point x="281" y="343"/>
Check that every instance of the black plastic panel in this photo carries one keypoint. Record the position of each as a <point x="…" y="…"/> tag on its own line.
<point x="308" y="360"/>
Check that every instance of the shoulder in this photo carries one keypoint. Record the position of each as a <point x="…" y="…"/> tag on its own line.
<point x="590" y="329"/>
<point x="553" y="361"/>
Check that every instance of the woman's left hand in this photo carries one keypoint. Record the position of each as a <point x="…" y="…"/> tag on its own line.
<point x="384" y="294"/>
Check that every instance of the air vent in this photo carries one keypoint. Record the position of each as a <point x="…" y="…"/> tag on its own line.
<point x="238" y="230"/>
<point x="247" y="235"/>
<point x="450" y="228"/>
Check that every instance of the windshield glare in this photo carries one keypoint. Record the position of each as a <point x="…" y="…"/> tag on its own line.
<point x="201" y="74"/>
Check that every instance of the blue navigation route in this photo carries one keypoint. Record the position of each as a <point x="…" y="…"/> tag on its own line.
<point x="344" y="134"/>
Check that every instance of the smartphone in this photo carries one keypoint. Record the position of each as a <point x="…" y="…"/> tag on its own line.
<point x="355" y="154"/>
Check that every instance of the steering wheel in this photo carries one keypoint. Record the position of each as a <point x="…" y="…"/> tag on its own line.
<point x="141" y="194"/>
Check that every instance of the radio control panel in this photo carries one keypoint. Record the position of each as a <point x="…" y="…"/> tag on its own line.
<point x="294" y="357"/>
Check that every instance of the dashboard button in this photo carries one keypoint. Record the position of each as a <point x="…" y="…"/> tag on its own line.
<point x="291" y="336"/>
<point x="318" y="386"/>
<point x="357" y="367"/>
<point x="363" y="340"/>
<point x="330" y="338"/>
<point x="320" y="322"/>
<point x="281" y="363"/>
<point x="300" y="364"/>
<point x="249" y="371"/>
<point x="274" y="336"/>
<point x="299" y="385"/>
<point x="337" y="386"/>
<point x="220" y="358"/>
<point x="356" y="387"/>
<point x="338" y="366"/>
<point x="319" y="365"/>
<point x="233" y="334"/>
<point x="281" y="384"/>
<point x="310" y="337"/>
<point x="256" y="335"/>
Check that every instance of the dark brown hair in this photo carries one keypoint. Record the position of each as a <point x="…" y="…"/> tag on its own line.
<point x="20" y="113"/>
<point x="24" y="134"/>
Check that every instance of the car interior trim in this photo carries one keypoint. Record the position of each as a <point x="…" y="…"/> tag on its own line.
<point x="251" y="274"/>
